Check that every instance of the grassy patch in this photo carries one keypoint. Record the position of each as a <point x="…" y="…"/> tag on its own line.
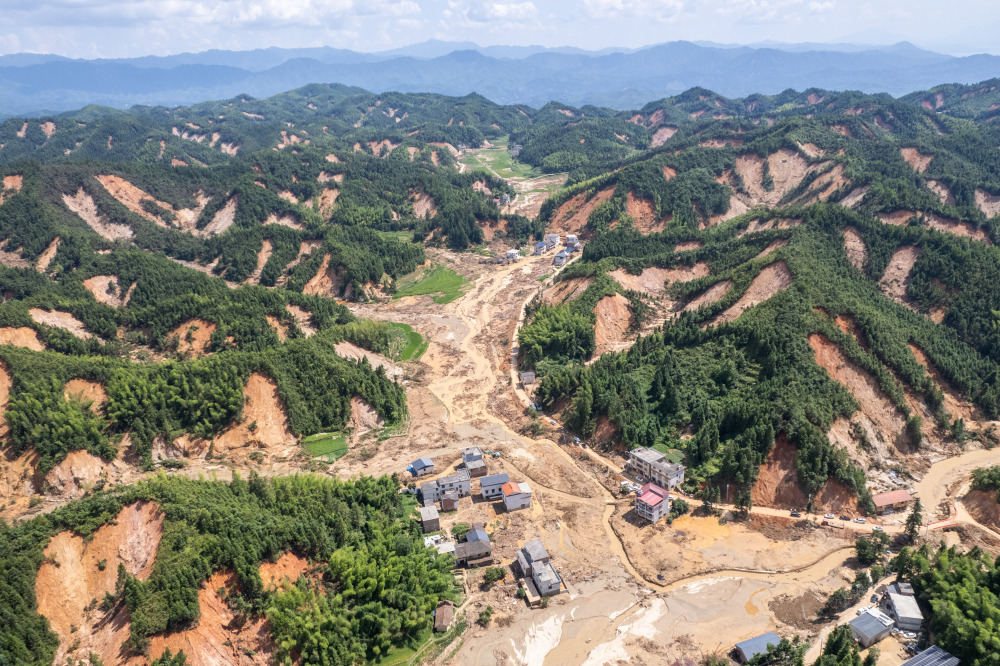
<point x="415" y="343"/>
<point x="328" y="445"/>
<point x="670" y="455"/>
<point x="544" y="277"/>
<point x="437" y="280"/>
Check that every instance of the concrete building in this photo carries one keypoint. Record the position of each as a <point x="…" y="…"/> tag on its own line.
<point x="901" y="588"/>
<point x="472" y="458"/>
<point x="516" y="495"/>
<point x="491" y="486"/>
<point x="652" y="502"/>
<point x="572" y="240"/>
<point x="551" y="240"/>
<point x="750" y="648"/>
<point x="892" y="501"/>
<point x="459" y="482"/>
<point x="513" y="255"/>
<point x="546" y="578"/>
<point x="652" y="465"/>
<point x="871" y="626"/>
<point x="532" y="554"/>
<point x="560" y="259"/>
<point x="906" y="611"/>
<point x="932" y="656"/>
<point x="476" y="468"/>
<point x="421" y="467"/>
<point x="429" y="519"/>
<point x="440" y="544"/>
<point x="540" y="247"/>
<point x="443" y="615"/>
<point x="528" y="377"/>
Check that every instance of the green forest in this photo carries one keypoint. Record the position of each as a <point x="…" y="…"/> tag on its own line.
<point x="378" y="589"/>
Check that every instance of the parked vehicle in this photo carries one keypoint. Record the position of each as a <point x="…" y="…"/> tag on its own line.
<point x="860" y="520"/>
<point x="878" y="528"/>
<point x="796" y="514"/>
<point x="847" y="518"/>
<point x="829" y="516"/>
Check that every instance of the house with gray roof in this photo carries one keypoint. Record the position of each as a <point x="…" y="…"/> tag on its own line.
<point x="473" y="552"/>
<point x="871" y="626"/>
<point x="421" y="467"/>
<point x="491" y="485"/>
<point x="752" y="647"/>
<point x="546" y="578"/>
<point x="652" y="465"/>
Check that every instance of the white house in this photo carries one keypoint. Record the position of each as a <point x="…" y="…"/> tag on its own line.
<point x="492" y="485"/>
<point x="460" y="483"/>
<point x="513" y="255"/>
<point x="560" y="259"/>
<point x="551" y="240"/>
<point x="547" y="580"/>
<point x="516" y="495"/>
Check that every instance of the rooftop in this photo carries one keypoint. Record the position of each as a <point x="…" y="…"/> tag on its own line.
<point x="421" y="463"/>
<point x="652" y="494"/>
<point x="524" y="488"/>
<point x="477" y="534"/>
<point x="510" y="488"/>
<point x="428" y="512"/>
<point x="667" y="468"/>
<point x="546" y="573"/>
<point x="494" y="479"/>
<point x="906" y="606"/>
<point x="472" y="451"/>
<point x="891" y="497"/>
<point x="535" y="550"/>
<point x="647" y="455"/>
<point x="754" y="646"/>
<point x="932" y="656"/>
<point x="473" y="549"/>
<point x="871" y="623"/>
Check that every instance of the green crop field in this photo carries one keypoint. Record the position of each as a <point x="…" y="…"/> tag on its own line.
<point x="329" y="445"/>
<point x="415" y="343"/>
<point x="437" y="280"/>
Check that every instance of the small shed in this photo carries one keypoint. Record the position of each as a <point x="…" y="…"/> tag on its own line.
<point x="443" y="615"/>
<point x="528" y="377"/>
<point x="430" y="519"/>
<point x="421" y="467"/>
<point x="901" y="588"/>
<point x="870" y="627"/>
<point x="932" y="656"/>
<point x="752" y="647"/>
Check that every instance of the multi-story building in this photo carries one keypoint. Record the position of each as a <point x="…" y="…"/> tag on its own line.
<point x="652" y="502"/>
<point x="652" y="465"/>
<point x="460" y="483"/>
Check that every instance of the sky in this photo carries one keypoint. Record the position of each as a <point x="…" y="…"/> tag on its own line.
<point x="127" y="28"/>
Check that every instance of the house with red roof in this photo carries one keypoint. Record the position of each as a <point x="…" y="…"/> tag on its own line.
<point x="516" y="495"/>
<point x="892" y="501"/>
<point x="652" y="502"/>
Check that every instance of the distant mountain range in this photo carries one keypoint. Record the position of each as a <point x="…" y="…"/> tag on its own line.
<point x="33" y="84"/>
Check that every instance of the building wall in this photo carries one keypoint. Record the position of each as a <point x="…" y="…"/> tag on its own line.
<point x="517" y="501"/>
<point x="432" y="525"/>
<point x="491" y="492"/>
<point x="652" y="513"/>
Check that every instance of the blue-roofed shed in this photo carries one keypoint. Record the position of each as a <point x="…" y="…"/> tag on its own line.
<point x="421" y="467"/>
<point x="749" y="649"/>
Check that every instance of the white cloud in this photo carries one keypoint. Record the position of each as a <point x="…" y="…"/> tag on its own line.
<point x="489" y="11"/>
<point x="827" y="6"/>
<point x="659" y="10"/>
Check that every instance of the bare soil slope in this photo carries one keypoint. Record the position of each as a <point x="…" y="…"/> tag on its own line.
<point x="653" y="281"/>
<point x="571" y="217"/>
<point x="878" y="416"/>
<point x="83" y="205"/>
<point x="855" y="247"/>
<point x="22" y="336"/>
<point x="773" y="279"/>
<point x="897" y="273"/>
<point x="614" y="321"/>
<point x="63" y="591"/>
<point x="194" y="336"/>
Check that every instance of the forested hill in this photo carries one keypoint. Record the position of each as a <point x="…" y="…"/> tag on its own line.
<point x="801" y="283"/>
